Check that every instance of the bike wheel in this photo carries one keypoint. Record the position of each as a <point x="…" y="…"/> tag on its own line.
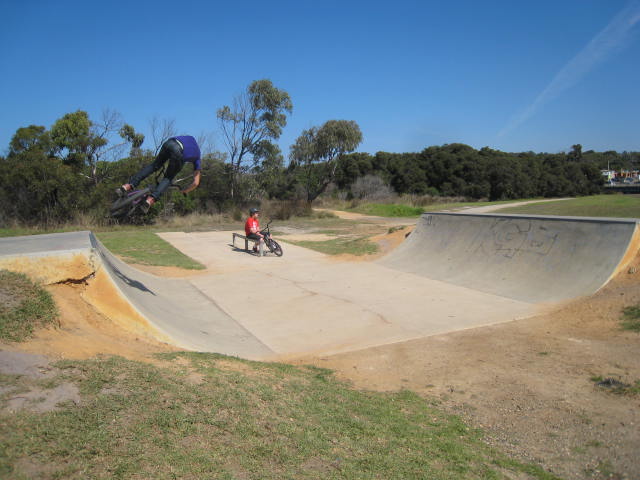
<point x="275" y="248"/>
<point x="124" y="207"/>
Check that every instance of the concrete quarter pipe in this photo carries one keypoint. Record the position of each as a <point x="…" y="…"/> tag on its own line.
<point x="532" y="259"/>
<point x="455" y="271"/>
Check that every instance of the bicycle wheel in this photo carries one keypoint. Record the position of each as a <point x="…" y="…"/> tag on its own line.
<point x="275" y="248"/>
<point x="125" y="206"/>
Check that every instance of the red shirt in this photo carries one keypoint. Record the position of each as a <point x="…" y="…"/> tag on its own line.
<point x="250" y="224"/>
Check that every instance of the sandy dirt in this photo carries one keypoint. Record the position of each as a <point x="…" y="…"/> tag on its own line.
<point x="359" y="217"/>
<point x="84" y="333"/>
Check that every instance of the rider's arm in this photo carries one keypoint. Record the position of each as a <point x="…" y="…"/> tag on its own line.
<point x="194" y="185"/>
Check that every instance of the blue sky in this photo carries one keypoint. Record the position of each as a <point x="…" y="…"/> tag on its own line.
<point x="514" y="76"/>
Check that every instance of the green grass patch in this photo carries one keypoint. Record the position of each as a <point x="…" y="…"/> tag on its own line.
<point x="340" y="245"/>
<point x="24" y="306"/>
<point x="631" y="318"/>
<point x="388" y="210"/>
<point x="209" y="416"/>
<point x="461" y="206"/>
<point x="146" y="248"/>
<point x="401" y="210"/>
<point x="616" y="386"/>
<point x="621" y="206"/>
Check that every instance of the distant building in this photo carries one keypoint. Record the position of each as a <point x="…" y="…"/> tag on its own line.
<point x="608" y="174"/>
<point x="623" y="176"/>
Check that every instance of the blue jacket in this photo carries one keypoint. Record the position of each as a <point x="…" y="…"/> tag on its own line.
<point x="191" y="151"/>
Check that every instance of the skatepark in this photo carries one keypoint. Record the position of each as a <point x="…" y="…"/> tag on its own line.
<point x="454" y="272"/>
<point x="501" y="318"/>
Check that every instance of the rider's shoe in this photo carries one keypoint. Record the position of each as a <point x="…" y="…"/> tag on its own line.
<point x="123" y="190"/>
<point x="147" y="204"/>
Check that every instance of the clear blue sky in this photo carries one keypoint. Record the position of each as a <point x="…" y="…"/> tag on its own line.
<point x="510" y="75"/>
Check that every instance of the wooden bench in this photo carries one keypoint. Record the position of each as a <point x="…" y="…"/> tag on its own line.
<point x="246" y="243"/>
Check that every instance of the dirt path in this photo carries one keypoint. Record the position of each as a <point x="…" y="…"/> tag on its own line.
<point x="382" y="221"/>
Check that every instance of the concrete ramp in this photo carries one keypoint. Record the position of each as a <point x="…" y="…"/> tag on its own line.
<point x="454" y="272"/>
<point x="170" y="310"/>
<point x="530" y="259"/>
<point x="181" y="311"/>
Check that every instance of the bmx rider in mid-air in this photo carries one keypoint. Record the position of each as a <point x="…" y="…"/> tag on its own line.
<point x="177" y="151"/>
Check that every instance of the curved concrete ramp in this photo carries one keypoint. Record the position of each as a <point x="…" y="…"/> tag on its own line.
<point x="181" y="311"/>
<point x="455" y="271"/>
<point x="170" y="310"/>
<point x="531" y="259"/>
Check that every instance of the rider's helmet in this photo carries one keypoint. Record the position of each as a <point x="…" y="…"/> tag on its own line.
<point x="253" y="210"/>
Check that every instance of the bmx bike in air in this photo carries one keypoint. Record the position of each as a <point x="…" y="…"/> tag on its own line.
<point x="129" y="206"/>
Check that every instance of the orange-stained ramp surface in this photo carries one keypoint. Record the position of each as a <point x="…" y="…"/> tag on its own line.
<point x="453" y="272"/>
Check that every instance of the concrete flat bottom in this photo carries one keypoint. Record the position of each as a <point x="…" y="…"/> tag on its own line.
<point x="305" y="302"/>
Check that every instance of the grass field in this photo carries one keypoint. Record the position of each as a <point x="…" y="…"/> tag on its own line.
<point x="620" y="206"/>
<point x="209" y="416"/>
<point x="400" y="210"/>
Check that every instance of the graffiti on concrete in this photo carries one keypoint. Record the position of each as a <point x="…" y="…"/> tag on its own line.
<point x="509" y="237"/>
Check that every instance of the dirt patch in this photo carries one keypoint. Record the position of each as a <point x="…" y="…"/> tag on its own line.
<point x="370" y="219"/>
<point x="391" y="240"/>
<point x="528" y="383"/>
<point x="19" y="363"/>
<point x="84" y="333"/>
<point x="43" y="400"/>
<point x="386" y="242"/>
<point x="26" y="394"/>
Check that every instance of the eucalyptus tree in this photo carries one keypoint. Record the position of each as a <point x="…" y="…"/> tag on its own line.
<point x="317" y="151"/>
<point x="255" y="119"/>
<point x="83" y="144"/>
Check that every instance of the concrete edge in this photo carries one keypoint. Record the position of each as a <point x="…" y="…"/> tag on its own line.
<point x="539" y="217"/>
<point x="102" y="252"/>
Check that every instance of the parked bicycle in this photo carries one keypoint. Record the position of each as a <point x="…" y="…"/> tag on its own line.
<point x="273" y="246"/>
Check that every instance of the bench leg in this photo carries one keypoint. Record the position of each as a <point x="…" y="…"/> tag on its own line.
<point x="246" y="244"/>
